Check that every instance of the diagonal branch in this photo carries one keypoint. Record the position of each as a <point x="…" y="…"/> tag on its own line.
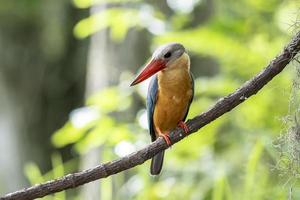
<point x="223" y="106"/>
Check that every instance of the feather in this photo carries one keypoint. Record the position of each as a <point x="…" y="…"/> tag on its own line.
<point x="157" y="160"/>
<point x="151" y="101"/>
<point x="192" y="98"/>
<point x="170" y="94"/>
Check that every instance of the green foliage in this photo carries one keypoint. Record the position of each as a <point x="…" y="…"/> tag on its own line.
<point x="119" y="21"/>
<point x="222" y="189"/>
<point x="249" y="191"/>
<point x="88" y="3"/>
<point x="34" y="175"/>
<point x="58" y="171"/>
<point x="110" y="99"/>
<point x="98" y="128"/>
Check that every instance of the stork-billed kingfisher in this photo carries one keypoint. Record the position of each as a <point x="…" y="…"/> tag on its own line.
<point x="170" y="94"/>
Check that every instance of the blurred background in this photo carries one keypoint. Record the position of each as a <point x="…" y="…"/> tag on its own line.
<point x="66" y="104"/>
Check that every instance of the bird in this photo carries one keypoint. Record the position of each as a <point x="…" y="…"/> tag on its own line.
<point x="170" y="94"/>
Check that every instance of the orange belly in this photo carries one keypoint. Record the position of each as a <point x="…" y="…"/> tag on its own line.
<point x="170" y="110"/>
<point x="174" y="95"/>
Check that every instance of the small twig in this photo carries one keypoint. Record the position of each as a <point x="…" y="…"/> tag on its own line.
<point x="223" y="106"/>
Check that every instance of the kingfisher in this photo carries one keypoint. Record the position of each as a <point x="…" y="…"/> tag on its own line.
<point x="170" y="93"/>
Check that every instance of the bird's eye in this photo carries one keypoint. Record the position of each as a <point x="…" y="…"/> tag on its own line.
<point x="167" y="55"/>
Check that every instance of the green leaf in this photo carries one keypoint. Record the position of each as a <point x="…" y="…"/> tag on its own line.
<point x="118" y="19"/>
<point x="69" y="134"/>
<point x="107" y="131"/>
<point x="251" y="170"/>
<point x="58" y="171"/>
<point x="110" y="99"/>
<point x="89" y="3"/>
<point x="33" y="173"/>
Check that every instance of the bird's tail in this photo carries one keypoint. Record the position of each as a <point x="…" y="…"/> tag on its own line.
<point x="157" y="163"/>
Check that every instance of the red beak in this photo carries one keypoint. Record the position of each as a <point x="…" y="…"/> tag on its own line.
<point x="151" y="68"/>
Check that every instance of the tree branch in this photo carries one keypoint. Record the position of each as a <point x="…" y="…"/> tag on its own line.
<point x="223" y="106"/>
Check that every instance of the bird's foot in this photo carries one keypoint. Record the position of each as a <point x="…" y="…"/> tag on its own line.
<point x="165" y="136"/>
<point x="183" y="125"/>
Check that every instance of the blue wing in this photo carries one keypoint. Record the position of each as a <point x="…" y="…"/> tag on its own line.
<point x="151" y="101"/>
<point x="187" y="111"/>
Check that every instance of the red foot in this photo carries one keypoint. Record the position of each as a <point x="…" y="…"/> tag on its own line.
<point x="166" y="138"/>
<point x="183" y="125"/>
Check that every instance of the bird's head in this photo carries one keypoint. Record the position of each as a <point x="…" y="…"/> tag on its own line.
<point x="162" y="59"/>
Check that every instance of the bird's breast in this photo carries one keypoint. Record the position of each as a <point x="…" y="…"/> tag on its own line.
<point x="174" y="95"/>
